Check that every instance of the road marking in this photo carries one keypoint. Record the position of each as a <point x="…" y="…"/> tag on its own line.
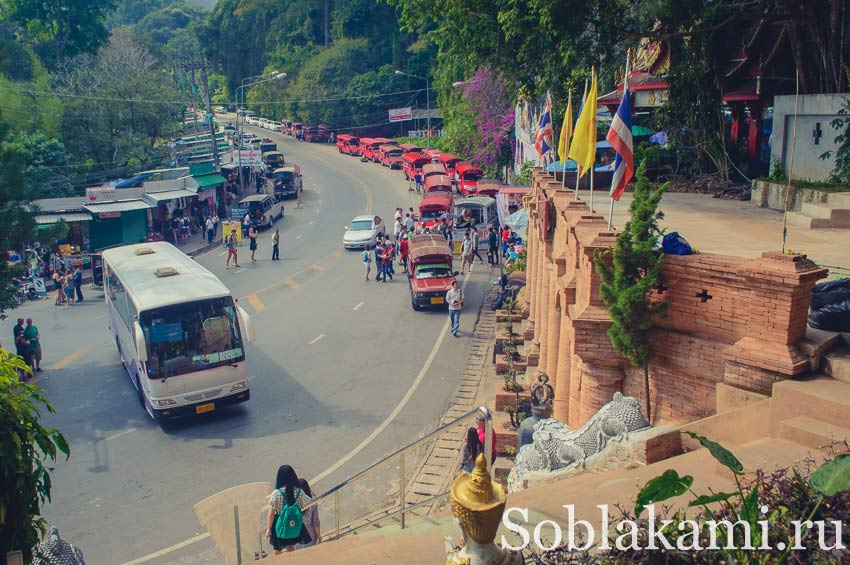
<point x="119" y="434"/>
<point x="169" y="549"/>
<point x="239" y="271"/>
<point x="290" y="283"/>
<point x="317" y="267"/>
<point x="315" y="339"/>
<point x="299" y="236"/>
<point x="256" y="303"/>
<point x="356" y="308"/>
<point x="397" y="410"/>
<point x="310" y="223"/>
<point x="70" y="358"/>
<point x="222" y="254"/>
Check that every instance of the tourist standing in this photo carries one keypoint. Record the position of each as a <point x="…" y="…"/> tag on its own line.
<point x="454" y="298"/>
<point x="472" y="447"/>
<point x="492" y="247"/>
<point x="310" y="516"/>
<point x="466" y="253"/>
<point x="366" y="258"/>
<point x="21" y="346"/>
<point x="210" y="225"/>
<point x="404" y="250"/>
<point x="68" y="285"/>
<point x="78" y="283"/>
<point x="408" y="223"/>
<point x="379" y="260"/>
<point x="387" y="260"/>
<point x="230" y="245"/>
<point x="417" y="178"/>
<point x="58" y="280"/>
<point x="246" y="224"/>
<point x="287" y="498"/>
<point x="396" y="231"/>
<point x="298" y="196"/>
<point x="33" y="342"/>
<point x="275" y="244"/>
<point x="506" y="234"/>
<point x="252" y="245"/>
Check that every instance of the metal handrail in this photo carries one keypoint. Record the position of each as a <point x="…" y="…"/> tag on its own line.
<point x="334" y="491"/>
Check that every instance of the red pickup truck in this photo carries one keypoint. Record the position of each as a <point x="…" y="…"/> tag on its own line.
<point x="429" y="271"/>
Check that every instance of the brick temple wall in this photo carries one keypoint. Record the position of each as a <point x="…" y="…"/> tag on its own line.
<point x="729" y="320"/>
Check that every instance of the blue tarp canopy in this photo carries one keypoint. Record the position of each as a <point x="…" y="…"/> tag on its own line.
<point x="518" y="222"/>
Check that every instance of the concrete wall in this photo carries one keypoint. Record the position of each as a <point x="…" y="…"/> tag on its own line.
<point x="772" y="195"/>
<point x="815" y="110"/>
<point x="730" y="320"/>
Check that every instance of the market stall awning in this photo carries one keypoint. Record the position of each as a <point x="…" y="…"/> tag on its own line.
<point x="209" y="181"/>
<point x="68" y="217"/>
<point x="118" y="206"/>
<point x="167" y="195"/>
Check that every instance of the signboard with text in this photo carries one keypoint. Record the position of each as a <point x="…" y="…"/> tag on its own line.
<point x="400" y="114"/>
<point x="248" y="157"/>
<point x="100" y="194"/>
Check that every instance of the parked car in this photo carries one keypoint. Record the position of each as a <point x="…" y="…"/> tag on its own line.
<point x="287" y="181"/>
<point x="363" y="232"/>
<point x="264" y="208"/>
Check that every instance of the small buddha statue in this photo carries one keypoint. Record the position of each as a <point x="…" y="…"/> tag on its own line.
<point x="477" y="505"/>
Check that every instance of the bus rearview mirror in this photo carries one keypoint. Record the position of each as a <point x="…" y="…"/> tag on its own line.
<point x="141" y="346"/>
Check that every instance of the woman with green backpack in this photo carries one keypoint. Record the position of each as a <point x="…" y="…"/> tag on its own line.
<point x="285" y="528"/>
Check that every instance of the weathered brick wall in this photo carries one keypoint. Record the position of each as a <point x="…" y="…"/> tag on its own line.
<point x="729" y="319"/>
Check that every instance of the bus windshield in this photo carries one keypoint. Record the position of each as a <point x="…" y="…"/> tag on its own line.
<point x="184" y="338"/>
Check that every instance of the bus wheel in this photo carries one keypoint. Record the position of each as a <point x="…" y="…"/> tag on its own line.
<point x="120" y="353"/>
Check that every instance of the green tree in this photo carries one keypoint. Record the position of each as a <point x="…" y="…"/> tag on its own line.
<point x="46" y="170"/>
<point x="26" y="448"/>
<point x="61" y="29"/>
<point x="629" y="272"/>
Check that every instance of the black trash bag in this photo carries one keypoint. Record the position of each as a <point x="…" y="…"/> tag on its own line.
<point x="831" y="292"/>
<point x="832" y="317"/>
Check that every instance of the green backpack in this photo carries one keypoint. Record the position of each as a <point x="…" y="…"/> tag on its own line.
<point x="290" y="520"/>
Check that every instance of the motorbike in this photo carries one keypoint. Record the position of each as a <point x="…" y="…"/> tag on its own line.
<point x="24" y="289"/>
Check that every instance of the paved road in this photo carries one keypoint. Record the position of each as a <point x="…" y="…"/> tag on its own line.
<point x="333" y="358"/>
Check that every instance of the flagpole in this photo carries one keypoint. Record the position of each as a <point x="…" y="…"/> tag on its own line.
<point x="564" y="160"/>
<point x="625" y="89"/>
<point x="578" y="167"/>
<point x="592" y="167"/>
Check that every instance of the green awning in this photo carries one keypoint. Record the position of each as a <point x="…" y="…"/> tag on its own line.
<point x="209" y="181"/>
<point x="641" y="130"/>
<point x="201" y="169"/>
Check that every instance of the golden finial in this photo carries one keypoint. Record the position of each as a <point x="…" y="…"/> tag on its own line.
<point x="477" y="503"/>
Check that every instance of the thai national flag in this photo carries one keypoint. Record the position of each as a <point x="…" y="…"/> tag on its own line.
<point x="620" y="138"/>
<point x="543" y="139"/>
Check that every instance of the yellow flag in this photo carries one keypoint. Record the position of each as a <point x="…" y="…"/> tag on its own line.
<point x="566" y="130"/>
<point x="583" y="147"/>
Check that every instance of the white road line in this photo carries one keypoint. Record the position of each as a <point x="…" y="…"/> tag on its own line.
<point x="169" y="549"/>
<point x="119" y="434"/>
<point x="397" y="410"/>
<point x="315" y="339"/>
<point x="239" y="271"/>
<point x="299" y="236"/>
<point x="356" y="308"/>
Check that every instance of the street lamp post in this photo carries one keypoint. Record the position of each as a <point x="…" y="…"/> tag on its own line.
<point x="427" y="102"/>
<point x="274" y="75"/>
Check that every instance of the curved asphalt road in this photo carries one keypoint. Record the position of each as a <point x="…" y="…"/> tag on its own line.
<point x="333" y="358"/>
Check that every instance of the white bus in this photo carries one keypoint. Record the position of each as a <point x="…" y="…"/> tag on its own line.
<point x="177" y="328"/>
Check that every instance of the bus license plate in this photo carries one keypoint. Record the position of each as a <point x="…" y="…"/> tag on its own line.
<point x="202" y="408"/>
<point x="438" y="300"/>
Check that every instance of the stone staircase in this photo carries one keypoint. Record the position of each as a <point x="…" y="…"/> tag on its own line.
<point x="834" y="214"/>
<point x="800" y="421"/>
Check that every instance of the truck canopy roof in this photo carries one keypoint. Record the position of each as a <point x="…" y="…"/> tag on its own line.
<point x="429" y="248"/>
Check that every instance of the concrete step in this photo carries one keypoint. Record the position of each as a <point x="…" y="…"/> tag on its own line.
<point x="839" y="199"/>
<point x="823" y="211"/>
<point x="836" y="364"/>
<point x="811" y="432"/>
<point x="816" y="343"/>
<point x="823" y="398"/>
<point x="814" y="216"/>
<point x="767" y="454"/>
<point x="801" y="220"/>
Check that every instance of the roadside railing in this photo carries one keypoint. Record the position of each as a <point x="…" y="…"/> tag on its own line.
<point x="242" y="539"/>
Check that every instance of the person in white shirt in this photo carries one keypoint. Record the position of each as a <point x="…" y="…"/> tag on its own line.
<point x="210" y="225"/>
<point x="467" y="253"/>
<point x="454" y="298"/>
<point x="408" y="223"/>
<point x="396" y="233"/>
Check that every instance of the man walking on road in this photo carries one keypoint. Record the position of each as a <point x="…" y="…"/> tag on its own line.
<point x="34" y="344"/>
<point x="475" y="241"/>
<point x="275" y="243"/>
<point x="466" y="253"/>
<point x="77" y="280"/>
<point x="230" y="244"/>
<point x="493" y="247"/>
<point x="454" y="298"/>
<point x="298" y="197"/>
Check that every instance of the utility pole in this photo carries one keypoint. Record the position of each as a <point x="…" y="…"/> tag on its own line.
<point x="214" y="141"/>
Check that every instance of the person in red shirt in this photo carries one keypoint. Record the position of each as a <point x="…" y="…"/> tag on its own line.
<point x="404" y="250"/>
<point x="387" y="260"/>
<point x="506" y="234"/>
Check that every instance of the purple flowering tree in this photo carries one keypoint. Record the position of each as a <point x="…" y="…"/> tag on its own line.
<point x="492" y="107"/>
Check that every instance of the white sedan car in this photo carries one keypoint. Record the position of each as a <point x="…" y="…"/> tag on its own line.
<point x="363" y="232"/>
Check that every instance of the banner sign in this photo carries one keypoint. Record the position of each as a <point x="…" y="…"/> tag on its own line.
<point x="400" y="114"/>
<point x="100" y="194"/>
<point x="249" y="157"/>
